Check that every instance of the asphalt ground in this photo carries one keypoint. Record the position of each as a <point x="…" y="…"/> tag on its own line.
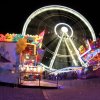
<point x="68" y="90"/>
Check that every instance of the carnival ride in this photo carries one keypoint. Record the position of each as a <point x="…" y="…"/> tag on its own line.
<point x="66" y="37"/>
<point x="61" y="38"/>
<point x="54" y="39"/>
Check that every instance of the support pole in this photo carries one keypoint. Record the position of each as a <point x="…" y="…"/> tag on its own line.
<point x="56" y="51"/>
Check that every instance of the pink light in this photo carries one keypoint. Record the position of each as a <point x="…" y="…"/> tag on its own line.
<point x="42" y="33"/>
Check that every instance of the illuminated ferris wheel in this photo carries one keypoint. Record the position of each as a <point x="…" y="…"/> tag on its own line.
<point x="66" y="31"/>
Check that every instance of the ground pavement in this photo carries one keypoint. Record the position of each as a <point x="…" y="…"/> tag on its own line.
<point x="75" y="90"/>
<point x="88" y="89"/>
<point x="68" y="90"/>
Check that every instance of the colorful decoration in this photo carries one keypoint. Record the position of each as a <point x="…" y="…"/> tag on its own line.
<point x="2" y="37"/>
<point x="40" y="51"/>
<point x="92" y="55"/>
<point x="8" y="37"/>
<point x="81" y="49"/>
<point x="30" y="39"/>
<point x="30" y="48"/>
<point x="41" y="35"/>
<point x="21" y="45"/>
<point x="33" y="39"/>
<point x="17" y="37"/>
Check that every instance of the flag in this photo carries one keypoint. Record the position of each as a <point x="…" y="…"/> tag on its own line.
<point x="41" y="35"/>
<point x="40" y="38"/>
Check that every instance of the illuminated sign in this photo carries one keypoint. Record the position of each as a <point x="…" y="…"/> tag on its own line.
<point x="91" y="55"/>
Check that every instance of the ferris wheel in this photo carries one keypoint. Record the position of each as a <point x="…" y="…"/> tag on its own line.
<point x="65" y="31"/>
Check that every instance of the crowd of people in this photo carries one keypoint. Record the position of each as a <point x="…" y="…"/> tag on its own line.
<point x="79" y="74"/>
<point x="63" y="75"/>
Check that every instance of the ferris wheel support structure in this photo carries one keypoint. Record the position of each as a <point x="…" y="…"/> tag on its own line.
<point x="56" y="51"/>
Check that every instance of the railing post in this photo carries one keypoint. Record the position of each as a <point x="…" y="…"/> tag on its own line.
<point x="57" y="80"/>
<point x="39" y="79"/>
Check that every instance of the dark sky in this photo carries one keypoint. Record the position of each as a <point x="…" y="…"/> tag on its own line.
<point x="14" y="14"/>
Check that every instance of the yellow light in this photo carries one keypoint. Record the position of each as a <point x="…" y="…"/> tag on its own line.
<point x="39" y="69"/>
<point x="34" y="69"/>
<point x="27" y="69"/>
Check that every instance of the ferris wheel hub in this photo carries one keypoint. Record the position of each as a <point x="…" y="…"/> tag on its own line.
<point x="63" y="28"/>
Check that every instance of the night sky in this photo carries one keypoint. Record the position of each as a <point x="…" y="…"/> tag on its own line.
<point x="14" y="14"/>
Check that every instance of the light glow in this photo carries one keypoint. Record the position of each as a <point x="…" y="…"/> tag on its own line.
<point x="63" y="29"/>
<point x="61" y="8"/>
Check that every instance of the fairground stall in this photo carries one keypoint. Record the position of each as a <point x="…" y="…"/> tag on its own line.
<point x="29" y="68"/>
<point x="22" y="54"/>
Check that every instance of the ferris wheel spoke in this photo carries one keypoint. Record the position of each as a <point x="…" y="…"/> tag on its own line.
<point x="56" y="51"/>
